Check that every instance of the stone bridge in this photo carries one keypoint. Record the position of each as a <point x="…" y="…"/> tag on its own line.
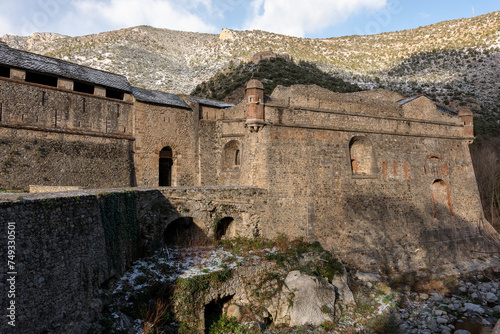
<point x="70" y="245"/>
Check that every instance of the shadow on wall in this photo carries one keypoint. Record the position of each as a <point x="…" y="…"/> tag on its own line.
<point x="182" y="223"/>
<point x="98" y="235"/>
<point x="183" y="232"/>
<point x="409" y="237"/>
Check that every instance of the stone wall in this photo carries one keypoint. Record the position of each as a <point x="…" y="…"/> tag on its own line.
<point x="56" y="159"/>
<point x="376" y="183"/>
<point x="49" y="136"/>
<point x="70" y="245"/>
<point x="156" y="127"/>
<point x="51" y="189"/>
<point x="53" y="108"/>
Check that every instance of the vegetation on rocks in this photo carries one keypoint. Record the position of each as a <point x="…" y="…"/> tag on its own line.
<point x="172" y="286"/>
<point x="169" y="292"/>
<point x="230" y="84"/>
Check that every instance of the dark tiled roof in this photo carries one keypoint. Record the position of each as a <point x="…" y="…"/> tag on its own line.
<point x="33" y="62"/>
<point x="218" y="104"/>
<point x="151" y="96"/>
<point x="409" y="99"/>
<point x="446" y="110"/>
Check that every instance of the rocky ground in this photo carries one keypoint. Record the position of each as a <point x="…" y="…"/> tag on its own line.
<point x="365" y="302"/>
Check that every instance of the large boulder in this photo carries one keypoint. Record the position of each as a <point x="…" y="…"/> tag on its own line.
<point x="496" y="330"/>
<point x="344" y="292"/>
<point x="313" y="300"/>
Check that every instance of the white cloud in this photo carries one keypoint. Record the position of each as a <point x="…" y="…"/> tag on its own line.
<point x="177" y="15"/>
<point x="299" y="17"/>
<point x="9" y="18"/>
<point x="5" y="26"/>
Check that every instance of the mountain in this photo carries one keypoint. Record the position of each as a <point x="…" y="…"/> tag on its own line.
<point x="229" y="84"/>
<point x="454" y="62"/>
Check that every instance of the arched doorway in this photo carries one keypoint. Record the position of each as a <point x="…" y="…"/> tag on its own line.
<point x="165" y="167"/>
<point x="441" y="199"/>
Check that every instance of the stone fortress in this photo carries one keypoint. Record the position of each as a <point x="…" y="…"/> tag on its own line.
<point x="376" y="178"/>
<point x="359" y="172"/>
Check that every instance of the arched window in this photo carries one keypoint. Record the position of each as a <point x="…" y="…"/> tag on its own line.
<point x="362" y="156"/>
<point x="165" y="167"/>
<point x="231" y="155"/>
<point x="441" y="199"/>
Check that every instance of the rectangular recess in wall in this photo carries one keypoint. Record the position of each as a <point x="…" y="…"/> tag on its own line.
<point x="83" y="87"/>
<point x="114" y="94"/>
<point x="4" y="71"/>
<point x="41" y="79"/>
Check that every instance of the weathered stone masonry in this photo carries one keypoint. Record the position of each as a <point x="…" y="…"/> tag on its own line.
<point x="368" y="174"/>
<point x="380" y="180"/>
<point x="57" y="131"/>
<point x="71" y="245"/>
<point x="371" y="175"/>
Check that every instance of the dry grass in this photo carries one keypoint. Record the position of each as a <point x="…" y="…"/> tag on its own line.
<point x="155" y="319"/>
<point x="424" y="283"/>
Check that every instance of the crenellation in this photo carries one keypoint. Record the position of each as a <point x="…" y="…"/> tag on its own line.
<point x="17" y="74"/>
<point x="64" y="83"/>
<point x="100" y="91"/>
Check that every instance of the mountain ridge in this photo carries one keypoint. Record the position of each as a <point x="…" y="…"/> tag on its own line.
<point x="454" y="62"/>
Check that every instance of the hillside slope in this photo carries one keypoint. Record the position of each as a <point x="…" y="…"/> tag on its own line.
<point x="229" y="85"/>
<point x="455" y="62"/>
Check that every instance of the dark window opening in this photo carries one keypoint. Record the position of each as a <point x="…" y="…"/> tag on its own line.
<point x="222" y="227"/>
<point x="237" y="158"/>
<point x="82" y="87"/>
<point x="84" y="105"/>
<point x="231" y="155"/>
<point x="44" y="98"/>
<point x="214" y="310"/>
<point x="114" y="94"/>
<point x="183" y="232"/>
<point x="41" y="79"/>
<point x="4" y="71"/>
<point x="165" y="168"/>
<point x="117" y="110"/>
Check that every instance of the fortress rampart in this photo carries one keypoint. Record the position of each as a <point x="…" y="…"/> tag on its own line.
<point x="72" y="244"/>
<point x="380" y="180"/>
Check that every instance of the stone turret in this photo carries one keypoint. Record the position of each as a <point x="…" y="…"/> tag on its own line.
<point x="468" y="119"/>
<point x="254" y="94"/>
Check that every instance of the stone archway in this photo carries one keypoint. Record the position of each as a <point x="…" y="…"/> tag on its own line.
<point x="183" y="232"/>
<point x="231" y="155"/>
<point x="223" y="227"/>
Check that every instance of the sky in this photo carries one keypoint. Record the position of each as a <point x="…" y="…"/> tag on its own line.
<point x="301" y="18"/>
